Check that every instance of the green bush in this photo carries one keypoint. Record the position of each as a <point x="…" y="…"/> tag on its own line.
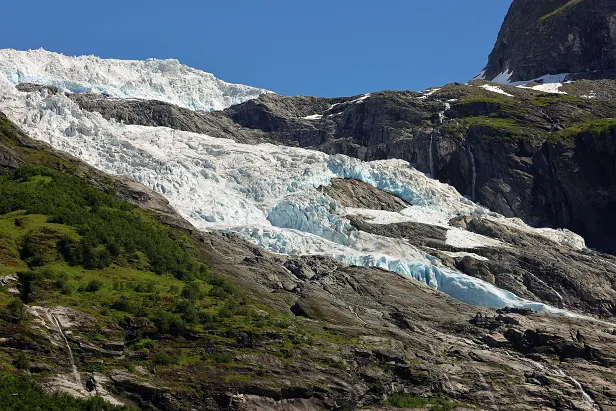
<point x="128" y="306"/>
<point x="144" y="344"/>
<point x="187" y="310"/>
<point x="163" y="358"/>
<point x="191" y="291"/>
<point x="16" y="310"/>
<point x="21" y="361"/>
<point x="168" y="323"/>
<point x="408" y="401"/>
<point x="93" y="286"/>
<point x="64" y="284"/>
<point x="222" y="357"/>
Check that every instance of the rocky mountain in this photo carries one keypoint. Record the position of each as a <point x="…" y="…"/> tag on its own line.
<point x="270" y="331"/>
<point x="538" y="38"/>
<point x="422" y="250"/>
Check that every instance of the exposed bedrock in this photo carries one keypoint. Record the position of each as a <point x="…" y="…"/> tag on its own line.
<point x="526" y="264"/>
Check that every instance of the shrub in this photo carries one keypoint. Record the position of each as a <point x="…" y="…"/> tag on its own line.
<point x="163" y="358"/>
<point x="187" y="311"/>
<point x="128" y="306"/>
<point x="191" y="291"/>
<point x="16" y="310"/>
<point x="93" y="286"/>
<point x="64" y="284"/>
<point x="144" y="344"/>
<point x="408" y="401"/>
<point x="168" y="323"/>
<point x="222" y="357"/>
<point x="21" y="361"/>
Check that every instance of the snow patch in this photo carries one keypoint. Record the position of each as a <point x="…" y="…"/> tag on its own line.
<point x="427" y="93"/>
<point x="463" y="254"/>
<point x="459" y="238"/>
<point x="359" y="100"/>
<point x="553" y="88"/>
<point x="480" y="76"/>
<point x="496" y="89"/>
<point x="503" y="77"/>
<point x="313" y="117"/>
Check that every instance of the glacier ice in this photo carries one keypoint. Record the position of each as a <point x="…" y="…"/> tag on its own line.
<point x="268" y="194"/>
<point x="163" y="80"/>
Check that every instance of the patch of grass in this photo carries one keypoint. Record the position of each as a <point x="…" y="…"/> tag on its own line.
<point x="548" y="99"/>
<point x="559" y="10"/>
<point x="594" y="127"/>
<point x="497" y="128"/>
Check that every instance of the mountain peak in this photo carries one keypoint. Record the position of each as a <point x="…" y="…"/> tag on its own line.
<point x="541" y="37"/>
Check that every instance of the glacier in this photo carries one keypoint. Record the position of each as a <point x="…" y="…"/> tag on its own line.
<point x="153" y="79"/>
<point x="265" y="193"/>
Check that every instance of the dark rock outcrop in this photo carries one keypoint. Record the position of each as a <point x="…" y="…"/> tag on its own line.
<point x="540" y="37"/>
<point x="357" y="194"/>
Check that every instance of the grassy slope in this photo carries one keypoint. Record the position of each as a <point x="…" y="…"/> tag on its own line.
<point x="73" y="245"/>
<point x="526" y="116"/>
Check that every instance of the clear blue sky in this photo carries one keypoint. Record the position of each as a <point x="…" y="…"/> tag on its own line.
<point x="292" y="47"/>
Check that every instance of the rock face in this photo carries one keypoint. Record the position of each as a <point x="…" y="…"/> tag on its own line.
<point x="357" y="194"/>
<point x="525" y="264"/>
<point x="541" y="37"/>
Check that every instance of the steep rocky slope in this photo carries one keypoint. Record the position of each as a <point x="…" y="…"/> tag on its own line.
<point x="553" y="37"/>
<point x="324" y="335"/>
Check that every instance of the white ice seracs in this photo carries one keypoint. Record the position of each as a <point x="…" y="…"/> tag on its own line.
<point x="268" y="194"/>
<point x="163" y="80"/>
